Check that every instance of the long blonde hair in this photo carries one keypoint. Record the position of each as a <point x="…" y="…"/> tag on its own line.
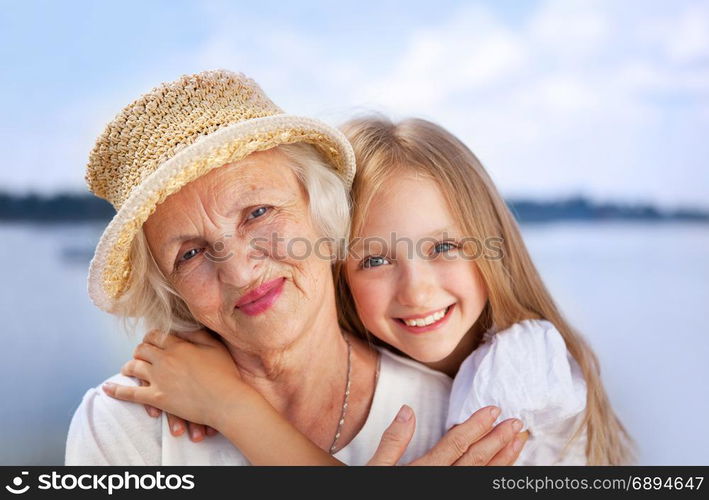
<point x="515" y="289"/>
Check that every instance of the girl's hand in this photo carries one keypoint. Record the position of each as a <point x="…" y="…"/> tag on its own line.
<point x="196" y="432"/>
<point x="188" y="378"/>
<point x="474" y="442"/>
<point x="178" y="426"/>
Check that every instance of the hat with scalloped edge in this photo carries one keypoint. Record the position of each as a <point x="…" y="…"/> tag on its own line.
<point x="171" y="136"/>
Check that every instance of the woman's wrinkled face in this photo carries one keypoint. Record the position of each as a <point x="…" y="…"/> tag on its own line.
<point x="237" y="246"/>
<point x="412" y="283"/>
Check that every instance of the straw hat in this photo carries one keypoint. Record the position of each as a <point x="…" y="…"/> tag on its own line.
<point x="171" y="136"/>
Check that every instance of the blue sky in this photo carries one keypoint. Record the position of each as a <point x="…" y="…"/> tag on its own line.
<point x="603" y="98"/>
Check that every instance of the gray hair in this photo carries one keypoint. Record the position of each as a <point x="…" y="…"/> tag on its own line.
<point x="150" y="297"/>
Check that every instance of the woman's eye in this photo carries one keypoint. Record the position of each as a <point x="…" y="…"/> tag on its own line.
<point x="374" y="262"/>
<point x="258" y="212"/>
<point x="190" y="254"/>
<point x="444" y="246"/>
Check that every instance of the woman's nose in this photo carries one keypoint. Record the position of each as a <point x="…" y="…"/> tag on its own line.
<point x="416" y="284"/>
<point x="237" y="263"/>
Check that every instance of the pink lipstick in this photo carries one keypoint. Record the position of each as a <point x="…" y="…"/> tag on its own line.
<point x="261" y="298"/>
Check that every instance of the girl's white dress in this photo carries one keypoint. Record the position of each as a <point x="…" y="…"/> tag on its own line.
<point x="527" y="372"/>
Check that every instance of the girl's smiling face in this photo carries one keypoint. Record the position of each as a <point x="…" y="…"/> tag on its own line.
<point x="412" y="283"/>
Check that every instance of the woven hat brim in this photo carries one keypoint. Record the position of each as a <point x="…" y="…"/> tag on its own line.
<point x="109" y="271"/>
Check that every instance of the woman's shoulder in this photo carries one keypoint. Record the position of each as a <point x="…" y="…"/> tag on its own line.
<point x="412" y="371"/>
<point x="425" y="391"/>
<point x="102" y="406"/>
<point x="106" y="431"/>
<point x="404" y="380"/>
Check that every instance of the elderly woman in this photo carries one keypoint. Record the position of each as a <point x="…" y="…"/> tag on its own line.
<point x="229" y="213"/>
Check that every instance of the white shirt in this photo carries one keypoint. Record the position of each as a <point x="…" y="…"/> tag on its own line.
<point x="106" y="431"/>
<point x="527" y="371"/>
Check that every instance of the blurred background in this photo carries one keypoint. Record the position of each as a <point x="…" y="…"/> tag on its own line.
<point x="591" y="116"/>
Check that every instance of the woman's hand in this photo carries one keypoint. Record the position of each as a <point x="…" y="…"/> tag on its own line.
<point x="474" y="442"/>
<point x="188" y="378"/>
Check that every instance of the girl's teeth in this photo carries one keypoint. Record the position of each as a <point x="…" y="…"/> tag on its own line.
<point x="428" y="320"/>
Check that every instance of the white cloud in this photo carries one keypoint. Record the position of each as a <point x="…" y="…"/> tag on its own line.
<point x="472" y="51"/>
<point x="569" y="29"/>
<point x="602" y="97"/>
<point x="688" y="40"/>
<point x="579" y="99"/>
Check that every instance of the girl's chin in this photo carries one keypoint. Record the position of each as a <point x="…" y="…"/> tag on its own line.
<point x="426" y="355"/>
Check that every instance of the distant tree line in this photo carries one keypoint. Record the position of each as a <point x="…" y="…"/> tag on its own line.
<point x="55" y="208"/>
<point x="85" y="207"/>
<point x="579" y="208"/>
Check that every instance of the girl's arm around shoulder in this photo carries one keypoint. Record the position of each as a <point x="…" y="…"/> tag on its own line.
<point x="105" y="431"/>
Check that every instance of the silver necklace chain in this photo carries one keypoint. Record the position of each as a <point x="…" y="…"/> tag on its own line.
<point x="346" y="400"/>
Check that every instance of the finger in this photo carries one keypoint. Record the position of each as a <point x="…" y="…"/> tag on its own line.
<point x="210" y="431"/>
<point x="197" y="432"/>
<point x="176" y="424"/>
<point x="156" y="337"/>
<point x="510" y="453"/>
<point x="137" y="368"/>
<point x="482" y="451"/>
<point x="147" y="352"/>
<point x="131" y="393"/>
<point x="153" y="411"/>
<point x="518" y="445"/>
<point x="395" y="438"/>
<point x="196" y="337"/>
<point x="459" y="438"/>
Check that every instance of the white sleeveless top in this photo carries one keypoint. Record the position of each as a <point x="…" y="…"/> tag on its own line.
<point x="527" y="372"/>
<point x="106" y="431"/>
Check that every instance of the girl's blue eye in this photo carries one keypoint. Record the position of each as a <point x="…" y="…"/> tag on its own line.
<point x="444" y="246"/>
<point x="374" y="262"/>
<point x="258" y="212"/>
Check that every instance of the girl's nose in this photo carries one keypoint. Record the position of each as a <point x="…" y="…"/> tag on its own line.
<point x="416" y="284"/>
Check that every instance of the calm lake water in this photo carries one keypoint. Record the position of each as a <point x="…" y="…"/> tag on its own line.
<point x="639" y="292"/>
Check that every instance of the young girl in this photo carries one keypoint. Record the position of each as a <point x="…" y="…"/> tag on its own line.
<point x="472" y="304"/>
<point x="437" y="270"/>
